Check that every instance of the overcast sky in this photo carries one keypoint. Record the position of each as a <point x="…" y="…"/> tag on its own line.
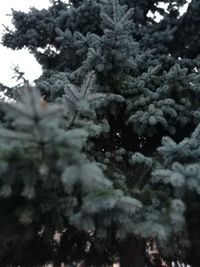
<point x="22" y="58"/>
<point x="8" y="57"/>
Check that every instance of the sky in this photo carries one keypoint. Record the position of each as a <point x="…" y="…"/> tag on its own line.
<point x="22" y="58"/>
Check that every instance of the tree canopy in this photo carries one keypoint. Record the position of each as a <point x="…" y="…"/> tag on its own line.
<point x="103" y="151"/>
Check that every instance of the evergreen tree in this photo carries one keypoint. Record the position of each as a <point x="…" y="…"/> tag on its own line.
<point x="108" y="156"/>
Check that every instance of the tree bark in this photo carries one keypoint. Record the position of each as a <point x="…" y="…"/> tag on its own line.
<point x="133" y="252"/>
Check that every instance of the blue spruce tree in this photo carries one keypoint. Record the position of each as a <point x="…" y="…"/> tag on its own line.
<point x="104" y="150"/>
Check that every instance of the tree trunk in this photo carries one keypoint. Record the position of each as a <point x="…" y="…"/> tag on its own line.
<point x="133" y="252"/>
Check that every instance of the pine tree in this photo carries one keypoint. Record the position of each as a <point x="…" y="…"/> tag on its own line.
<point x="104" y="149"/>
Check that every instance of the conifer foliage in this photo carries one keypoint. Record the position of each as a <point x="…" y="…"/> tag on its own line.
<point x="101" y="157"/>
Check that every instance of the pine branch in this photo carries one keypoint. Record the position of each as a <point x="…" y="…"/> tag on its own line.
<point x="88" y="82"/>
